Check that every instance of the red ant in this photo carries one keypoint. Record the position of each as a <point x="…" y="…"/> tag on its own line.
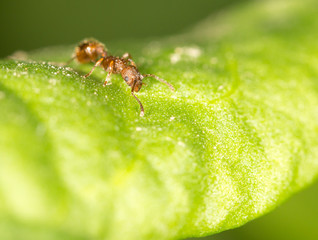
<point x="94" y="51"/>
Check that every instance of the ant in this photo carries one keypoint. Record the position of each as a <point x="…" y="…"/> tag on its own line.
<point x="95" y="52"/>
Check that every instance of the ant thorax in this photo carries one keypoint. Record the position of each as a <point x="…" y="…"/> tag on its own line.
<point x="113" y="64"/>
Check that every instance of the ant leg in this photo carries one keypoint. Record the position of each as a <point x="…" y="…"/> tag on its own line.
<point x="128" y="57"/>
<point x="107" y="79"/>
<point x="132" y="62"/>
<point x="96" y="65"/>
<point x="142" y="112"/>
<point x="110" y="70"/>
<point x="159" y="79"/>
<point x="69" y="61"/>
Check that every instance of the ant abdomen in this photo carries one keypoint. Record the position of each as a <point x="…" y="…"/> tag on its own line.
<point x="90" y="51"/>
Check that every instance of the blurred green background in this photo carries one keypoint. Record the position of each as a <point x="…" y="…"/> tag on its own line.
<point x="27" y="25"/>
<point x="32" y="24"/>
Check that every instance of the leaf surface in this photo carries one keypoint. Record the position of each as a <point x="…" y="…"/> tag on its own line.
<point x="238" y="137"/>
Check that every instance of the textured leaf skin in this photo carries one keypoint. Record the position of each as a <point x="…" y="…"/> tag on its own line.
<point x="237" y="138"/>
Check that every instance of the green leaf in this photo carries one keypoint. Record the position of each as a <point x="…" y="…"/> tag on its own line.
<point x="238" y="137"/>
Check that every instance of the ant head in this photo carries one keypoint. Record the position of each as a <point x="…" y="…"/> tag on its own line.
<point x="132" y="77"/>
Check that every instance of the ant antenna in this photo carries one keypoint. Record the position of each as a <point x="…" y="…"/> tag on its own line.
<point x="142" y="112"/>
<point x="159" y="79"/>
